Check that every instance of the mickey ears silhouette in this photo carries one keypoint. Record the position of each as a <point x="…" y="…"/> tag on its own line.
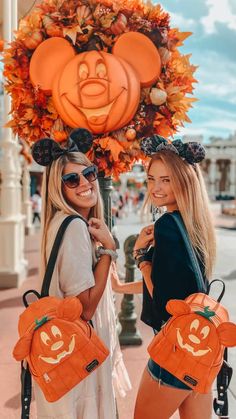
<point x="46" y="150"/>
<point x="192" y="151"/>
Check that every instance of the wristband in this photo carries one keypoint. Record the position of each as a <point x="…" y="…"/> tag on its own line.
<point x="112" y="253"/>
<point x="140" y="259"/>
<point x="140" y="252"/>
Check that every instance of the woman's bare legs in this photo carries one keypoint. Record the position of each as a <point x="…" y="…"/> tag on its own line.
<point x="196" y="406"/>
<point x="155" y="401"/>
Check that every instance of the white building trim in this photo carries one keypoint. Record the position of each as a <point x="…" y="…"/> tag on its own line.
<point x="12" y="263"/>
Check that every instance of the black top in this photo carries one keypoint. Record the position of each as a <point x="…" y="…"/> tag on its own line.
<point x="173" y="275"/>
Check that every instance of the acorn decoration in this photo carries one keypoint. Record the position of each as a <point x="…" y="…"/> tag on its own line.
<point x="130" y="134"/>
<point x="158" y="96"/>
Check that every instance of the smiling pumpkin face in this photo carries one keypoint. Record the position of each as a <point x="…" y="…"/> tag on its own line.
<point x="98" y="91"/>
<point x="195" y="338"/>
<point x="197" y="335"/>
<point x="54" y="342"/>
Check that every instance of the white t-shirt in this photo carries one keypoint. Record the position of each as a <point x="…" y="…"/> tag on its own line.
<point x="93" y="398"/>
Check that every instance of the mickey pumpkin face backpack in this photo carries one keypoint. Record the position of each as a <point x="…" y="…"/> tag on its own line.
<point x="60" y="349"/>
<point x="192" y="343"/>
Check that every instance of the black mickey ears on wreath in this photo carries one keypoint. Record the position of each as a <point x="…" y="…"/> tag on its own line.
<point x="192" y="152"/>
<point x="46" y="150"/>
<point x="82" y="138"/>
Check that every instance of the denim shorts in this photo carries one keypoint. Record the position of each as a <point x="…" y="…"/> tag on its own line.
<point x="164" y="377"/>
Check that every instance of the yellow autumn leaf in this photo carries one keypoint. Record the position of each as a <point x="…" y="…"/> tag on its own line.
<point x="72" y="32"/>
<point x="183" y="35"/>
<point x="107" y="20"/>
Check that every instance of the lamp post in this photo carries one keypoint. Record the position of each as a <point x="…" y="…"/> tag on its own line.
<point x="105" y="184"/>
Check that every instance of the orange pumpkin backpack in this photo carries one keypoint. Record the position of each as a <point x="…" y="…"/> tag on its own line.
<point x="191" y="344"/>
<point x="61" y="349"/>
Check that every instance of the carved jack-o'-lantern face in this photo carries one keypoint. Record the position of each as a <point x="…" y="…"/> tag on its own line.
<point x="194" y="338"/>
<point x="55" y="344"/>
<point x="98" y="91"/>
<point x="95" y="89"/>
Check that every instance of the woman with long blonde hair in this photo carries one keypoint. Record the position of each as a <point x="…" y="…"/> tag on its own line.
<point x="174" y="182"/>
<point x="70" y="186"/>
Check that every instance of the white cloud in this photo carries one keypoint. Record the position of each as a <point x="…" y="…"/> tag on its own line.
<point x="219" y="12"/>
<point x="209" y="121"/>
<point x="216" y="76"/>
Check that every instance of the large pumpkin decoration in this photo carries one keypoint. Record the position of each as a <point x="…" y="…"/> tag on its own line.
<point x="112" y="67"/>
<point x="60" y="348"/>
<point x="96" y="90"/>
<point x="191" y="344"/>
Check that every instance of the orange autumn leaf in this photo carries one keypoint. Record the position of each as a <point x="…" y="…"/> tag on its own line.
<point x="108" y="143"/>
<point x="29" y="114"/>
<point x="59" y="136"/>
<point x="46" y="123"/>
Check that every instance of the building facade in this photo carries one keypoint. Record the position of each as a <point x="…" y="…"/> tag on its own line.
<point x="219" y="166"/>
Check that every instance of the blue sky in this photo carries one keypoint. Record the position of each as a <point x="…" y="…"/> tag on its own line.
<point x="213" y="49"/>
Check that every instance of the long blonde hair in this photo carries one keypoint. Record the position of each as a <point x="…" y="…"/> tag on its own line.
<point x="193" y="203"/>
<point x="53" y="199"/>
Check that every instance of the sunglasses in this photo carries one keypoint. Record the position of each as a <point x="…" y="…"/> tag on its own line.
<point x="72" y="180"/>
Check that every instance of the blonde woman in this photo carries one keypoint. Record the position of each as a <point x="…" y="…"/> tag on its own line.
<point x="174" y="182"/>
<point x="70" y="186"/>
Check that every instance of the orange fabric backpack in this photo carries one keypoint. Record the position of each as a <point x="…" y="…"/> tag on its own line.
<point x="191" y="344"/>
<point x="60" y="348"/>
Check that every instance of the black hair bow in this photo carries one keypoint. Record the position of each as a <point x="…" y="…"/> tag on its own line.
<point x="46" y="150"/>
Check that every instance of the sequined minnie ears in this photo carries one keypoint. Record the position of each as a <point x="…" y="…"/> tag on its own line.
<point x="46" y="150"/>
<point x="192" y="152"/>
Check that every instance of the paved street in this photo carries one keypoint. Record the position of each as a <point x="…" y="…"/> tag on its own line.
<point x="135" y="357"/>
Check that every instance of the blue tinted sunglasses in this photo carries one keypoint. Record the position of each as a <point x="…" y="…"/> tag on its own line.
<point x="72" y="180"/>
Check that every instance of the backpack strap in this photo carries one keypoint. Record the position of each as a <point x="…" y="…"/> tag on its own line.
<point x="53" y="255"/>
<point x="26" y="381"/>
<point x="223" y="288"/>
<point x="220" y="404"/>
<point x="192" y="255"/>
<point x="26" y="390"/>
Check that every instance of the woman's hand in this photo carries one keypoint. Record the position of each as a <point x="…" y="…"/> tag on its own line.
<point x="100" y="232"/>
<point x="135" y="287"/>
<point x="145" y="238"/>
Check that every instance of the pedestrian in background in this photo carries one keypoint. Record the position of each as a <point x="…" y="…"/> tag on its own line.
<point x="36" y="206"/>
<point x="176" y="183"/>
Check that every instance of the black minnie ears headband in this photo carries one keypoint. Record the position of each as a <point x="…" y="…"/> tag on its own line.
<point x="46" y="150"/>
<point x="192" y="152"/>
